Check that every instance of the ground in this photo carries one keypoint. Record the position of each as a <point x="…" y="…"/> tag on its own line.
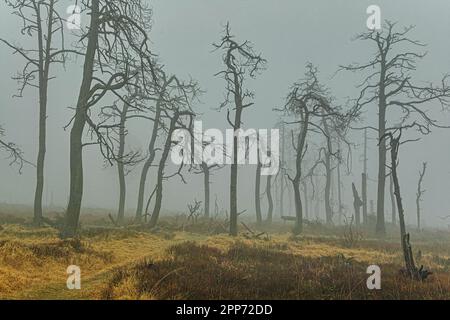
<point x="183" y="260"/>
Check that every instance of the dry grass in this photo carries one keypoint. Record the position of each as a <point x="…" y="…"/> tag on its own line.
<point x="170" y="263"/>
<point x="249" y="271"/>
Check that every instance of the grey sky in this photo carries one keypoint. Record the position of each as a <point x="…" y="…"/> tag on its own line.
<point x="288" y="33"/>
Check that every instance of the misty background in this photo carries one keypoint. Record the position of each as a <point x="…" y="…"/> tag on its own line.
<point x="288" y="33"/>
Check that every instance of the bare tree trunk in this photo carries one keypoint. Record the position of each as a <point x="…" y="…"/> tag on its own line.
<point x="76" y="133"/>
<point x="364" y="180"/>
<point x="357" y="203"/>
<point x="328" y="210"/>
<point x="282" y="176"/>
<point x="234" y="171"/>
<point x="380" y="227"/>
<point x="121" y="166"/>
<point x="257" y="193"/>
<point x="393" y="207"/>
<point x="420" y="193"/>
<point x="301" y="141"/>
<point x="339" y="191"/>
<point x="305" y="192"/>
<point x="269" y="199"/>
<point x="44" y="68"/>
<point x="162" y="163"/>
<point x="298" y="208"/>
<point x="328" y="173"/>
<point x="148" y="162"/>
<point x="206" y="183"/>
<point x="411" y="269"/>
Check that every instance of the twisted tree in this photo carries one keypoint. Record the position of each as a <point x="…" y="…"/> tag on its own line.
<point x="241" y="62"/>
<point x="309" y="103"/>
<point x="116" y="50"/>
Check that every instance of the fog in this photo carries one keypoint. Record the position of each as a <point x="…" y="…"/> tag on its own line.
<point x="289" y="34"/>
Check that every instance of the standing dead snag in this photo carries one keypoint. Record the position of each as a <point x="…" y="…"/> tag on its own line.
<point x="206" y="170"/>
<point x="390" y="85"/>
<point x="411" y="269"/>
<point x="364" y="179"/>
<point x="420" y="193"/>
<point x="124" y="159"/>
<point x="240" y="62"/>
<point x="269" y="199"/>
<point x="174" y="124"/>
<point x="357" y="204"/>
<point x="162" y="96"/>
<point x="41" y="21"/>
<point x="393" y="206"/>
<point x="176" y="107"/>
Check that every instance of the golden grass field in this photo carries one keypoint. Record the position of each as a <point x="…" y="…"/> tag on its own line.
<point x="187" y="263"/>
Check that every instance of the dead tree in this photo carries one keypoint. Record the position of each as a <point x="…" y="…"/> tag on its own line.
<point x="41" y="21"/>
<point x="167" y="85"/>
<point x="309" y="103"/>
<point x="410" y="267"/>
<point x="420" y="193"/>
<point x="114" y="43"/>
<point x="393" y="206"/>
<point x="390" y="85"/>
<point x="364" y="179"/>
<point x="339" y="188"/>
<point x="357" y="204"/>
<point x="175" y="123"/>
<point x="177" y="110"/>
<point x="125" y="160"/>
<point x="240" y="62"/>
<point x="207" y="171"/>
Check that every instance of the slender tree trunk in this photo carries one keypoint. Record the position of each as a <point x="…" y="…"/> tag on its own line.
<point x="121" y="166"/>
<point x="206" y="183"/>
<point x="298" y="208"/>
<point x="282" y="176"/>
<point x="76" y="133"/>
<point x="357" y="203"/>
<point x="162" y="163"/>
<point x="44" y="68"/>
<point x="148" y="162"/>
<point x="257" y="193"/>
<point x="393" y="207"/>
<point x="364" y="180"/>
<point x="269" y="199"/>
<point x="420" y="193"/>
<point x="404" y="237"/>
<point x="301" y="141"/>
<point x="380" y="227"/>
<point x="339" y="191"/>
<point x="305" y="192"/>
<point x="328" y="173"/>
<point x="234" y="172"/>
<point x="328" y="210"/>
